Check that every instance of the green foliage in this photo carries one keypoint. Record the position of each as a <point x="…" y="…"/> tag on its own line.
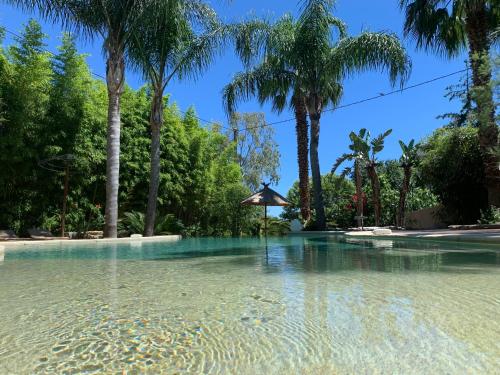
<point x="277" y="227"/>
<point x="391" y="178"/>
<point x="451" y="167"/>
<point x="65" y="111"/>
<point x="134" y="222"/>
<point x="338" y="195"/>
<point x="491" y="215"/>
<point x="256" y="150"/>
<point x="441" y="25"/>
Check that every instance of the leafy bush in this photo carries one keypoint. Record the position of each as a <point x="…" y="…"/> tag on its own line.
<point x="491" y="215"/>
<point x="452" y="167"/>
<point x="134" y="222"/>
<point x="277" y="227"/>
<point x="338" y="193"/>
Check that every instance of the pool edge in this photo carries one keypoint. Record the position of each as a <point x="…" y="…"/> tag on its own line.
<point x="8" y="245"/>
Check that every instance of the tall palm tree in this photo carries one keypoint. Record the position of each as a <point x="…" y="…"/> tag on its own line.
<point x="302" y="59"/>
<point x="408" y="160"/>
<point x="273" y="80"/>
<point x="448" y="27"/>
<point x="324" y="62"/>
<point x="163" y="47"/>
<point x="113" y="21"/>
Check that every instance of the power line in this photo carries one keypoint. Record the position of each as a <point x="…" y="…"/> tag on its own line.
<point x="379" y="96"/>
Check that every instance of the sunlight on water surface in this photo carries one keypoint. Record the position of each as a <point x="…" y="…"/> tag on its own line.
<point x="313" y="305"/>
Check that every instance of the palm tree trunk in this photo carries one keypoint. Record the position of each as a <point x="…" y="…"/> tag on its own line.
<point x="314" y="107"/>
<point x="319" y="205"/>
<point x="479" y="46"/>
<point x="115" y="76"/>
<point x="302" y="130"/>
<point x="372" y="173"/>
<point x="359" y="192"/>
<point x="156" y="122"/>
<point x="402" y="197"/>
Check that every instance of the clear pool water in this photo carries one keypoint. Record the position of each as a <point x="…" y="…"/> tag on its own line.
<point x="220" y="306"/>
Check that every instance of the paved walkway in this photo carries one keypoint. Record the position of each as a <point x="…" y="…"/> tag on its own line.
<point x="55" y="242"/>
<point x="491" y="236"/>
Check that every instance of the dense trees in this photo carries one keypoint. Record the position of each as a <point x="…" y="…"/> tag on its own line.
<point x="64" y="110"/>
<point x="50" y="105"/>
<point x="448" y="27"/>
<point x="119" y="24"/>
<point x="451" y="167"/>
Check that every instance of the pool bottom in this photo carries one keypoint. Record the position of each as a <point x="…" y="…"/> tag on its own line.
<point x="232" y="314"/>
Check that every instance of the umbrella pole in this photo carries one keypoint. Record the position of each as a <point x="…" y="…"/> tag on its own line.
<point x="265" y="220"/>
<point x="265" y="231"/>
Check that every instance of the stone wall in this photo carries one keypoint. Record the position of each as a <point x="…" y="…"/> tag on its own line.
<point x="427" y="218"/>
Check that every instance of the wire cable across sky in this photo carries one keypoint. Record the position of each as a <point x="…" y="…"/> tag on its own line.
<point x="361" y="101"/>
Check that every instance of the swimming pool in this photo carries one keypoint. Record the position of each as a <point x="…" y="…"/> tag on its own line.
<point x="313" y="305"/>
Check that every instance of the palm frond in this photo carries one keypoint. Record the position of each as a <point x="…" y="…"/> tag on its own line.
<point x="342" y="159"/>
<point x="268" y="82"/>
<point x="377" y="144"/>
<point x="379" y="51"/>
<point x="436" y="25"/>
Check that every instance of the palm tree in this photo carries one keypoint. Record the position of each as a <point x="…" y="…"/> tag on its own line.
<point x="325" y="62"/>
<point x="301" y="59"/>
<point x="273" y="80"/>
<point x="408" y="160"/>
<point x="448" y="27"/>
<point x="114" y="21"/>
<point x="164" y="47"/>
<point x="364" y="151"/>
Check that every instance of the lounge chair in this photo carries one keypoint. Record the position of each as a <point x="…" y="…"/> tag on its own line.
<point x="7" y="234"/>
<point x="41" y="234"/>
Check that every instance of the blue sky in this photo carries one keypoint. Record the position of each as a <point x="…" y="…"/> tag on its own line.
<point x="411" y="114"/>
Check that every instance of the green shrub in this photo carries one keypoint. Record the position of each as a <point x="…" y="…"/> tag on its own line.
<point x="491" y="215"/>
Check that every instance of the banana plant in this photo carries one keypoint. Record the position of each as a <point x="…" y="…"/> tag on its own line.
<point x="364" y="152"/>
<point x="358" y="150"/>
<point x="408" y="160"/>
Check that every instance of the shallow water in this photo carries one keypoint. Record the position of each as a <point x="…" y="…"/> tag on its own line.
<point x="312" y="306"/>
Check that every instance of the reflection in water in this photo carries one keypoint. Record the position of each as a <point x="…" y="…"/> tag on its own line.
<point x="296" y="305"/>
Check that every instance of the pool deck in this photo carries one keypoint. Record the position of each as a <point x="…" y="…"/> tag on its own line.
<point x="13" y="244"/>
<point x="490" y="236"/>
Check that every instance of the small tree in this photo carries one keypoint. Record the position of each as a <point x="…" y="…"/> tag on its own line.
<point x="376" y="145"/>
<point x="408" y="160"/>
<point x="359" y="149"/>
<point x="256" y="150"/>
